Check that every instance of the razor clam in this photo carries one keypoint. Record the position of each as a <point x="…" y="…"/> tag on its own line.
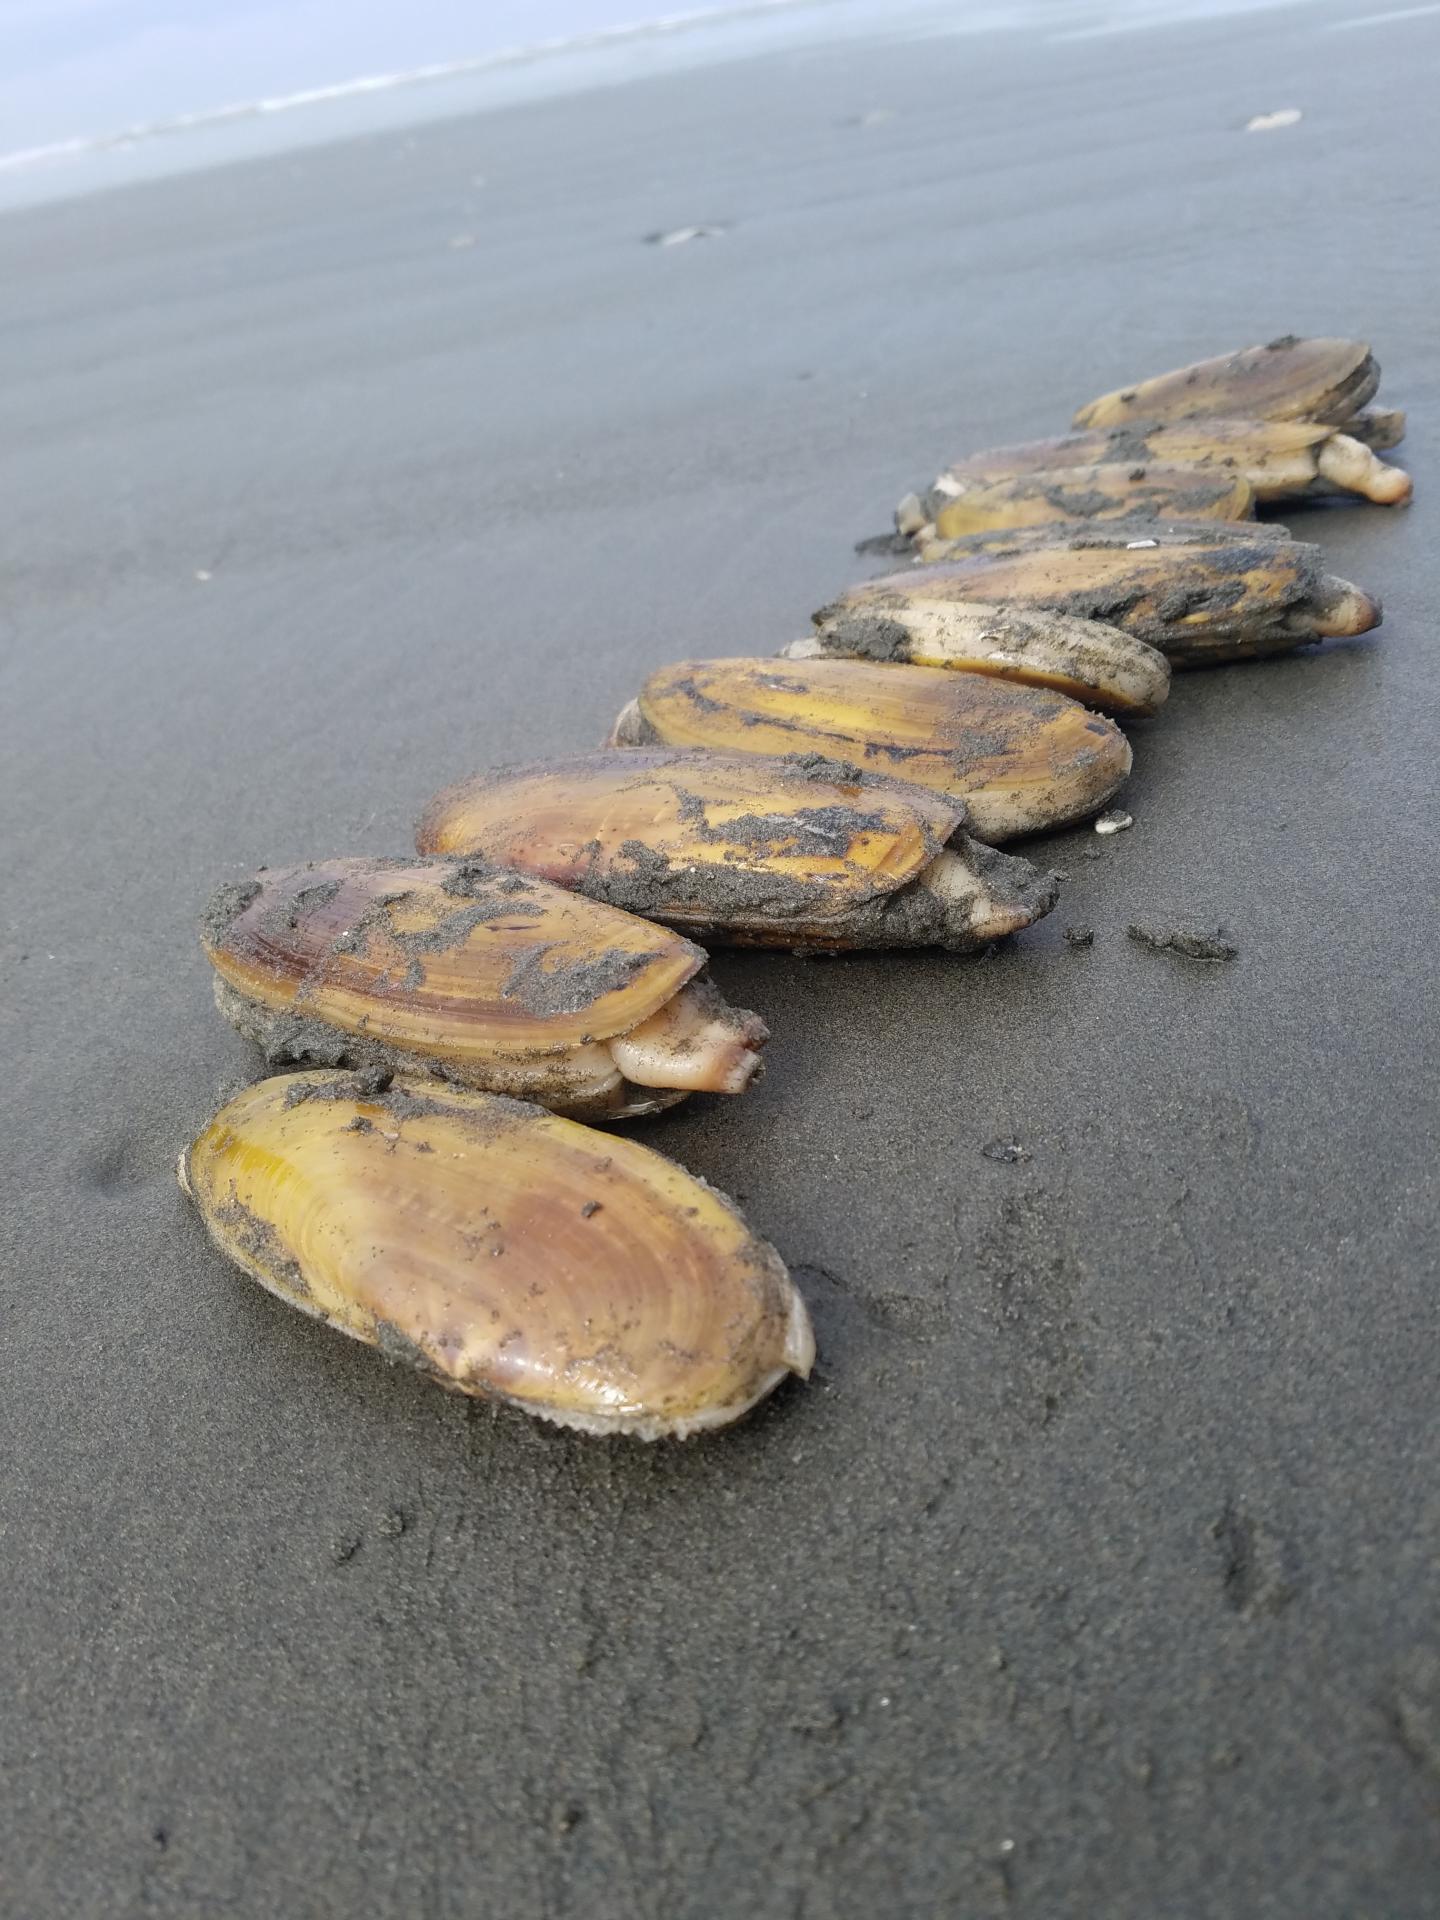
<point x="1087" y="659"/>
<point x="1290" y="379"/>
<point x="483" y="977"/>
<point x="1022" y="759"/>
<point x="1277" y="459"/>
<point x="501" y="1251"/>
<point x="929" y="548"/>
<point x="1195" y="600"/>
<point x="798" y="852"/>
<point x="1083" y="489"/>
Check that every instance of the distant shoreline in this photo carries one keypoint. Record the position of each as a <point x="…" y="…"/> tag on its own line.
<point x="597" y="40"/>
<point x="381" y="102"/>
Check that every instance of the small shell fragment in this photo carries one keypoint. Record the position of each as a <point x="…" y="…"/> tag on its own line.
<point x="1116" y="822"/>
<point x="484" y="977"/>
<point x="1021" y="759"/>
<point x="501" y="1251"/>
<point x="1274" y="122"/>
<point x="681" y="236"/>
<point x="800" y="852"/>
<point x="1290" y="379"/>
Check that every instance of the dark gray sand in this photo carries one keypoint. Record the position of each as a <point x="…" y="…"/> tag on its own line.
<point x="1095" y="1573"/>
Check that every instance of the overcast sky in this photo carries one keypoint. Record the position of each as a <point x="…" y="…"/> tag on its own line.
<point x="90" y="66"/>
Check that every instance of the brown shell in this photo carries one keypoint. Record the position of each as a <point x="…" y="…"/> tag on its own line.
<point x="1076" y="491"/>
<point x="1197" y="443"/>
<point x="491" y="978"/>
<point x="1290" y="379"/>
<point x="1104" y="533"/>
<point x="696" y="836"/>
<point x="1192" y="599"/>
<point x="1020" y="758"/>
<point x="1277" y="459"/>
<point x="501" y="1251"/>
<point x="802" y="852"/>
<point x="1166" y="532"/>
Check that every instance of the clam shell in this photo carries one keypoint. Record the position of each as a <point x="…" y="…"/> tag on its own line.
<point x="1075" y="491"/>
<point x="501" y="1250"/>
<point x="1086" y="659"/>
<point x="743" y="848"/>
<point x="1277" y="459"/>
<point x="488" y="978"/>
<point x="1290" y="379"/>
<point x="1020" y="758"/>
<point x="1188" y="443"/>
<point x="1102" y="533"/>
<point x="1196" y="601"/>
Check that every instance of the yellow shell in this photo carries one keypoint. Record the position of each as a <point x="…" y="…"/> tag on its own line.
<point x="745" y="848"/>
<point x="1195" y="600"/>
<point x="1290" y="379"/>
<point x="501" y="1250"/>
<point x="1020" y="758"/>
<point x="489" y="978"/>
<point x="1076" y="491"/>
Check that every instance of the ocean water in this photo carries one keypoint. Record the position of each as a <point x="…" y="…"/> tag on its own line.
<point x="98" y="93"/>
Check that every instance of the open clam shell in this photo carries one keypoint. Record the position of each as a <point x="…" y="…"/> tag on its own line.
<point x="1196" y="601"/>
<point x="1071" y="490"/>
<point x="1089" y="660"/>
<point x="796" y="852"/>
<point x="486" y="978"/>
<point x="1021" y="759"/>
<point x="501" y="1250"/>
<point x="1277" y="459"/>
<point x="1290" y="379"/>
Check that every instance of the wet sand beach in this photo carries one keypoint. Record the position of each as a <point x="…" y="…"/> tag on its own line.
<point x="1094" y="1573"/>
